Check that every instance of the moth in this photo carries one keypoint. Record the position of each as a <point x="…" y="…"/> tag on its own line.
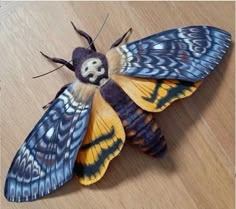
<point x="112" y="100"/>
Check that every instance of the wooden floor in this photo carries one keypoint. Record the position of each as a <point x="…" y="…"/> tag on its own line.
<point x="197" y="173"/>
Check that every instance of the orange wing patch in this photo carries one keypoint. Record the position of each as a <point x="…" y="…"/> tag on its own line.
<point x="155" y="95"/>
<point x="103" y="141"/>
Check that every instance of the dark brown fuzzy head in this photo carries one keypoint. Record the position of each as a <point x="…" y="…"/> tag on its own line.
<point x="90" y="66"/>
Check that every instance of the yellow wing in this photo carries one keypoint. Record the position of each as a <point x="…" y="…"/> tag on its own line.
<point x="103" y="141"/>
<point x="155" y="95"/>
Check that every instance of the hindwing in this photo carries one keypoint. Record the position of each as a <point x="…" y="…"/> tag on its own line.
<point x="155" y="95"/>
<point x="103" y="141"/>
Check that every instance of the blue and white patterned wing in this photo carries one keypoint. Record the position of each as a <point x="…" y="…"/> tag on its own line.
<point x="188" y="53"/>
<point x="46" y="159"/>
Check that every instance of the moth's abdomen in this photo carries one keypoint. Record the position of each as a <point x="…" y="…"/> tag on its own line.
<point x="140" y="126"/>
<point x="142" y="130"/>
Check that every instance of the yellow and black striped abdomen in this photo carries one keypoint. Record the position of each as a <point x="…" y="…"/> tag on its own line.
<point x="140" y="126"/>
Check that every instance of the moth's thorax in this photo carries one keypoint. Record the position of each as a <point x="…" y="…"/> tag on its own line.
<point x="90" y="66"/>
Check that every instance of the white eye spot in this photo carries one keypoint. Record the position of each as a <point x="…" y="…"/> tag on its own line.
<point x="50" y="133"/>
<point x="159" y="46"/>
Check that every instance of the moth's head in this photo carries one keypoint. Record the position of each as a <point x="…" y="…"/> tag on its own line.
<point x="90" y="66"/>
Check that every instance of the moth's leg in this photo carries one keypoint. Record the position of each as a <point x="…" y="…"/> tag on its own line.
<point x="59" y="60"/>
<point x="86" y="36"/>
<point x="63" y="88"/>
<point x="125" y="36"/>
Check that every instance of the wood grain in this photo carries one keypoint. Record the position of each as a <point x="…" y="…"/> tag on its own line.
<point x="197" y="173"/>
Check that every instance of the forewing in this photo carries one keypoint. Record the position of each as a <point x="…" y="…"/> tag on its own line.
<point x="188" y="53"/>
<point x="103" y="141"/>
<point x="155" y="95"/>
<point x="46" y="159"/>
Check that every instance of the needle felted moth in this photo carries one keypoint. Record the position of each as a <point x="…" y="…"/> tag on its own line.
<point x="112" y="100"/>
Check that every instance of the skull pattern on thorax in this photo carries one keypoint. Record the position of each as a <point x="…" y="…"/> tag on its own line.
<point x="90" y="67"/>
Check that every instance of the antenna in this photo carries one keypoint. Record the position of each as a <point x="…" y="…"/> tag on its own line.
<point x="100" y="30"/>
<point x="37" y="76"/>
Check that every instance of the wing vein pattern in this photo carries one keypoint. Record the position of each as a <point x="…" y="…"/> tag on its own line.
<point x="46" y="159"/>
<point x="188" y="53"/>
